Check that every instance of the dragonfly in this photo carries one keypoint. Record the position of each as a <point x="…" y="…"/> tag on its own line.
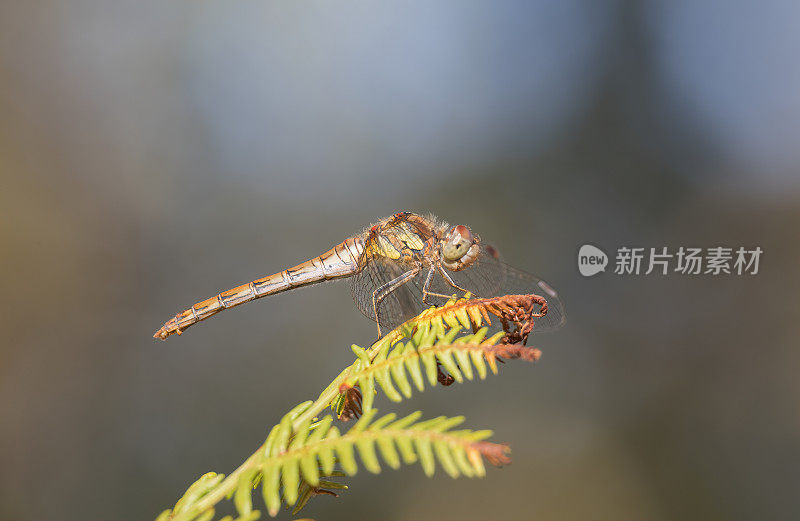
<point x="398" y="267"/>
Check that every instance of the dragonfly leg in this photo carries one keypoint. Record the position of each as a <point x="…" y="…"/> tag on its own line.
<point x="450" y="280"/>
<point x="380" y="293"/>
<point x="426" y="291"/>
<point x="426" y="286"/>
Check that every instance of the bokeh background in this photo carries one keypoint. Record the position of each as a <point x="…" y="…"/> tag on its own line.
<point x="155" y="153"/>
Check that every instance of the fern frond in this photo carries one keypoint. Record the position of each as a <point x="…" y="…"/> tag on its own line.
<point x="433" y="341"/>
<point x="459" y="452"/>
<point x="395" y="369"/>
<point x="301" y="452"/>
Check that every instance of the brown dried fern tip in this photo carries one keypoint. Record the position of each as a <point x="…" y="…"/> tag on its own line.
<point x="517" y="313"/>
<point x="495" y="453"/>
<point x="513" y="352"/>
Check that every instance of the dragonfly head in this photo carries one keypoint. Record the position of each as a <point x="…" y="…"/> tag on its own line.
<point x="460" y="248"/>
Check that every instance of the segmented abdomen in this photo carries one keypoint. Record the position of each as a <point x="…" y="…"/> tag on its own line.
<point x="340" y="261"/>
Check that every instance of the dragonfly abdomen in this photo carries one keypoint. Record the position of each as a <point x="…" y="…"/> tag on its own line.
<point x="340" y="261"/>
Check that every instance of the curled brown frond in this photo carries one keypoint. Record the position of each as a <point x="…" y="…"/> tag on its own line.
<point x="516" y="313"/>
<point x="495" y="453"/>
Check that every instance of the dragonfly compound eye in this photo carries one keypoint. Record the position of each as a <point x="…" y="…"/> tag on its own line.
<point x="458" y="243"/>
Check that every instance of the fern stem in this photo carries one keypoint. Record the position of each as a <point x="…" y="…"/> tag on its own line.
<point x="332" y="391"/>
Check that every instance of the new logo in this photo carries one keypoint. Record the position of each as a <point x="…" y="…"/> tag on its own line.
<point x="591" y="260"/>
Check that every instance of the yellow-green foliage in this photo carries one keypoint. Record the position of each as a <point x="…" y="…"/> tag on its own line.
<point x="316" y="449"/>
<point x="399" y="366"/>
<point x="305" y="450"/>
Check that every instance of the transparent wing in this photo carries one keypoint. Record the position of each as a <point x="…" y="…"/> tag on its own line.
<point x="489" y="276"/>
<point x="403" y="303"/>
<point x="375" y="271"/>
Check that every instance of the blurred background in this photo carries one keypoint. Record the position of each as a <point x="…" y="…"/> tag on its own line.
<point x="153" y="154"/>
